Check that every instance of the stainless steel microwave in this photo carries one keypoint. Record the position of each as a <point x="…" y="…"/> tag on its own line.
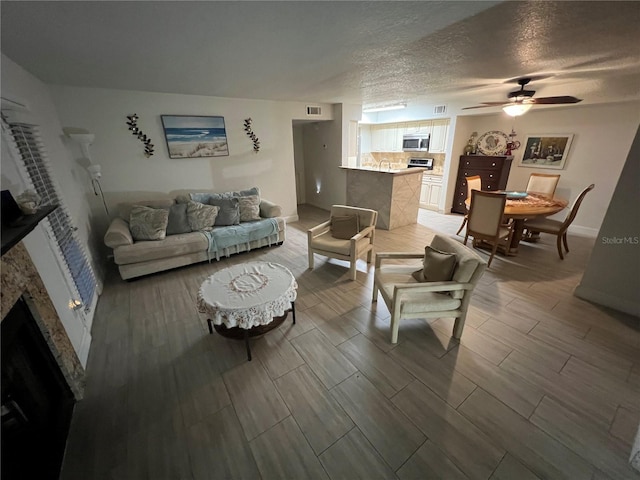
<point x="415" y="142"/>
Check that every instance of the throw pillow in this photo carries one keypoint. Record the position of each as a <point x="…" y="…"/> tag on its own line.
<point x="345" y="226"/>
<point x="178" y="222"/>
<point x="201" y="216"/>
<point x="148" y="223"/>
<point x="438" y="266"/>
<point x="249" y="208"/>
<point x="229" y="211"/>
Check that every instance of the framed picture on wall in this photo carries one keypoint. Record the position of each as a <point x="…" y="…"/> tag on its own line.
<point x="195" y="136"/>
<point x="546" y="150"/>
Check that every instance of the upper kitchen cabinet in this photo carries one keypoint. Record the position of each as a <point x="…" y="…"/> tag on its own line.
<point x="387" y="137"/>
<point x="439" y="131"/>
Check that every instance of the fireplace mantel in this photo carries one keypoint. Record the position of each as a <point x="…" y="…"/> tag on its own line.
<point x="19" y="278"/>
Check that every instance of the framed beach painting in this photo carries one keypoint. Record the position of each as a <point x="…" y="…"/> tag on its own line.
<point x="546" y="150"/>
<point x="195" y="136"/>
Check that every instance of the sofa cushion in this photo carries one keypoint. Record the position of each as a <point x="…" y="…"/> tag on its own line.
<point x="249" y="208"/>
<point x="438" y="266"/>
<point x="124" y="209"/>
<point x="148" y="223"/>
<point x="171" y="246"/>
<point x="205" y="197"/>
<point x="229" y="211"/>
<point x="201" y="216"/>
<point x="345" y="226"/>
<point x="178" y="222"/>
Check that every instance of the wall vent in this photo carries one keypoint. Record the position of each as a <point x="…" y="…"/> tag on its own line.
<point x="439" y="109"/>
<point x="313" y="111"/>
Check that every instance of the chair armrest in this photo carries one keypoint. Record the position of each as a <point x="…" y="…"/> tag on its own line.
<point x="363" y="233"/>
<point x="319" y="229"/>
<point x="269" y="209"/>
<point x="118" y="234"/>
<point x="431" y="287"/>
<point x="396" y="255"/>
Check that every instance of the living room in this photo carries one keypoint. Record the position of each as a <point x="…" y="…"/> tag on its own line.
<point x="603" y="139"/>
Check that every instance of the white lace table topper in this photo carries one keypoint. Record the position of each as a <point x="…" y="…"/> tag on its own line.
<point x="247" y="295"/>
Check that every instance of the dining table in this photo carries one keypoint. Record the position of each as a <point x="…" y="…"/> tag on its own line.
<point x="522" y="205"/>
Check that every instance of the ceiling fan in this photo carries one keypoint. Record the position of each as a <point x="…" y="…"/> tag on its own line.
<point x="522" y="100"/>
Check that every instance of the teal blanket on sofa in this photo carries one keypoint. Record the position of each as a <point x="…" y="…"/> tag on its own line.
<point x="221" y="238"/>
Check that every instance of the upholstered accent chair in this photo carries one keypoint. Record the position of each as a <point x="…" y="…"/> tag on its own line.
<point x="543" y="183"/>
<point x="347" y="235"/>
<point x="474" y="182"/>
<point x="408" y="295"/>
<point x="557" y="227"/>
<point x="485" y="220"/>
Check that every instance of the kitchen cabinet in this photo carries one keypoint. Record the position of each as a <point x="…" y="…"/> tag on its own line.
<point x="430" y="191"/>
<point x="493" y="171"/>
<point x="388" y="137"/>
<point x="439" y="131"/>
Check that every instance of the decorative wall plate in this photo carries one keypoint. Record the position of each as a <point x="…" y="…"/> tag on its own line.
<point x="493" y="143"/>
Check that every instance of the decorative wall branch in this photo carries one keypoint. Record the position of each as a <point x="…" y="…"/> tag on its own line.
<point x="251" y="135"/>
<point x="135" y="130"/>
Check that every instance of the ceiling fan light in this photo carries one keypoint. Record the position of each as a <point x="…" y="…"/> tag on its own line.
<point x="517" y="109"/>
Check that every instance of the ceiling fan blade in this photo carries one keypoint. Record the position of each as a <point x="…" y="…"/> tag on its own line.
<point x="554" y="100"/>
<point x="486" y="104"/>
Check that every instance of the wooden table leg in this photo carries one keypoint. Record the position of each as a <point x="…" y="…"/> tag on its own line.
<point x="210" y="324"/>
<point x="518" y="229"/>
<point x="246" y="341"/>
<point x="293" y="311"/>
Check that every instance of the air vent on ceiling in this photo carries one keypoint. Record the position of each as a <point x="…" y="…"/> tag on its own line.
<point x="313" y="111"/>
<point x="439" y="109"/>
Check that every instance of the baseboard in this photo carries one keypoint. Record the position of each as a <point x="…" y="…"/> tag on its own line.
<point x="291" y="219"/>
<point x="583" y="231"/>
<point x="607" y="300"/>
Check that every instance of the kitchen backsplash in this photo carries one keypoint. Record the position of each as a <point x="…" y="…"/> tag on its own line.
<point x="399" y="160"/>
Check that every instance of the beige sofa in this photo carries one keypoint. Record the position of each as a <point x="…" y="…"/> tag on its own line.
<point x="137" y="258"/>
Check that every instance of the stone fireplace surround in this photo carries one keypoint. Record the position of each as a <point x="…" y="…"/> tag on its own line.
<point x="19" y="278"/>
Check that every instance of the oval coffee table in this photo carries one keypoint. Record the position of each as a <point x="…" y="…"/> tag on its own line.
<point x="248" y="299"/>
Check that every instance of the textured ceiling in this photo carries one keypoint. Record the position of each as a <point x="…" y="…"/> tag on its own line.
<point x="351" y="52"/>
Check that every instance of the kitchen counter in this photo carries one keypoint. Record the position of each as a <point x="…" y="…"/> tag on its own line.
<point x="394" y="194"/>
<point x="396" y="171"/>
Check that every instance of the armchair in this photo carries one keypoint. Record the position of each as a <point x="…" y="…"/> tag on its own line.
<point x="321" y="239"/>
<point x="405" y="297"/>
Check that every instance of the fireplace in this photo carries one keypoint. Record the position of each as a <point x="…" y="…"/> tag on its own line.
<point x="42" y="376"/>
<point x="37" y="402"/>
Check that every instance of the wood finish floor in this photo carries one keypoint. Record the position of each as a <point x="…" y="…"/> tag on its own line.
<point x="542" y="384"/>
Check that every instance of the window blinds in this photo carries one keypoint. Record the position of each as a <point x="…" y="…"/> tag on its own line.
<point x="58" y="224"/>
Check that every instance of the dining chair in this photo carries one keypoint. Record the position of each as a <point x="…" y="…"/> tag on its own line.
<point x="557" y="227"/>
<point x="473" y="183"/>
<point x="485" y="222"/>
<point x="543" y="183"/>
<point x="409" y="297"/>
<point x="347" y="235"/>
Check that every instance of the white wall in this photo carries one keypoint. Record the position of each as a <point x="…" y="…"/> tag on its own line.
<point x="298" y="157"/>
<point x="21" y="86"/>
<point x="127" y="172"/>
<point x="612" y="277"/>
<point x="602" y="138"/>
